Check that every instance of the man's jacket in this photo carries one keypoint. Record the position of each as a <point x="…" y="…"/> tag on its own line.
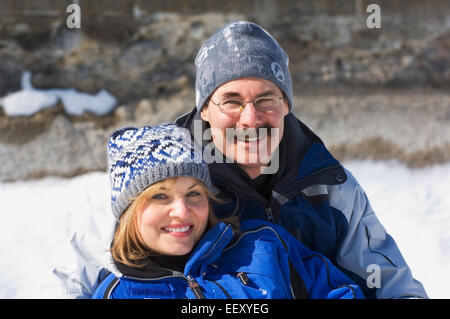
<point x="319" y="202"/>
<point x="261" y="261"/>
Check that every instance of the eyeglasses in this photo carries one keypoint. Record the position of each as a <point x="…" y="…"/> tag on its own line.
<point x="234" y="107"/>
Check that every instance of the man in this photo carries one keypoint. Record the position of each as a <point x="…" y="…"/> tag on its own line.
<point x="243" y="84"/>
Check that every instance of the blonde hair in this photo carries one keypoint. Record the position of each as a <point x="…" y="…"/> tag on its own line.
<point x="128" y="246"/>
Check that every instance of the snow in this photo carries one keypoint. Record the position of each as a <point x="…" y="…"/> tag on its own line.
<point x="413" y="205"/>
<point x="37" y="215"/>
<point x="30" y="100"/>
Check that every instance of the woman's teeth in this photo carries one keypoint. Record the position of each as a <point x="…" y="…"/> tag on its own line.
<point x="177" y="230"/>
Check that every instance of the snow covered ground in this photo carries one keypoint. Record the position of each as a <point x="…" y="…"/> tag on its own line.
<point x="413" y="205"/>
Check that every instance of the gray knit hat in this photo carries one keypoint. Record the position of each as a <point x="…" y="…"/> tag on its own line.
<point x="139" y="157"/>
<point x="238" y="50"/>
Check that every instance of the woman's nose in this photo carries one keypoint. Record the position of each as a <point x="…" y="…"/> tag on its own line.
<point x="179" y="208"/>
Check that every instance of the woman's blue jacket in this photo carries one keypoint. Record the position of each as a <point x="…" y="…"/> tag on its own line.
<point x="261" y="261"/>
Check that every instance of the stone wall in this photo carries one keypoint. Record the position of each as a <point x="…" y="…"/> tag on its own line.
<point x="369" y="93"/>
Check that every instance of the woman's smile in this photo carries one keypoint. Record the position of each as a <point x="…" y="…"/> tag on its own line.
<point x="178" y="230"/>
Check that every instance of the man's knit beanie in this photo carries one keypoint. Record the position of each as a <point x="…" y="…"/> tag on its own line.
<point x="238" y="50"/>
<point x="139" y="157"/>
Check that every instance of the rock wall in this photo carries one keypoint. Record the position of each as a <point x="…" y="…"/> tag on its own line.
<point x="369" y="93"/>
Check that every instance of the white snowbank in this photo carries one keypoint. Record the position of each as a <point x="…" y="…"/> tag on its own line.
<point x="36" y="217"/>
<point x="413" y="205"/>
<point x="30" y="100"/>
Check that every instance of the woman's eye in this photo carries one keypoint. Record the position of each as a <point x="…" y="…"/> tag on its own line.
<point x="193" y="194"/>
<point x="159" y="196"/>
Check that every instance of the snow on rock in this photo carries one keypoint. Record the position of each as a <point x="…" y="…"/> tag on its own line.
<point x="27" y="102"/>
<point x="30" y="100"/>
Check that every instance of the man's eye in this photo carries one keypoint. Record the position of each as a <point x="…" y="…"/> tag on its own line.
<point x="265" y="102"/>
<point x="232" y="103"/>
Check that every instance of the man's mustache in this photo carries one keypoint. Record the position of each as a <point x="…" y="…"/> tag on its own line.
<point x="251" y="133"/>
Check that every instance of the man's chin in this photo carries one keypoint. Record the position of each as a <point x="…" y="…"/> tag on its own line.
<point x="249" y="159"/>
<point x="252" y="153"/>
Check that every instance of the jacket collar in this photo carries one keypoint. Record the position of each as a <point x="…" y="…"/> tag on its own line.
<point x="209" y="248"/>
<point x="150" y="269"/>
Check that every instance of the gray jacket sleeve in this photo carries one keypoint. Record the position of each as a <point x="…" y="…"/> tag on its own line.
<point x="367" y="249"/>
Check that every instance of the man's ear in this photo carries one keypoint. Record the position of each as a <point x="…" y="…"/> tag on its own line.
<point x="286" y="108"/>
<point x="204" y="113"/>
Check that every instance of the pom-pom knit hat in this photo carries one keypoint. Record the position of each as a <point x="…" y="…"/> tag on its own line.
<point x="139" y="157"/>
<point x="238" y="50"/>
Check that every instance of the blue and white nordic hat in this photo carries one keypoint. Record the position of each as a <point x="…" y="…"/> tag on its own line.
<point x="238" y="50"/>
<point x="139" y="157"/>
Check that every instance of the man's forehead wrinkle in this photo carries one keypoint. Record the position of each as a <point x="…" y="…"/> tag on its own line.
<point x="240" y="87"/>
<point x="230" y="94"/>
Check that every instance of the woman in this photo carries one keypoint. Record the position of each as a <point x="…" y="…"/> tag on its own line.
<point x="168" y="244"/>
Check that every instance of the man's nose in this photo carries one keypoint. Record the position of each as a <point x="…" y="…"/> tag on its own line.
<point x="249" y="116"/>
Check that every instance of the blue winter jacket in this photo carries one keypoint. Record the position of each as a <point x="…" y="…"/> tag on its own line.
<point x="262" y="261"/>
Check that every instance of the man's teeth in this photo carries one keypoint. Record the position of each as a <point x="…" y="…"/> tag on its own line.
<point x="177" y="230"/>
<point x="247" y="138"/>
<point x="251" y="136"/>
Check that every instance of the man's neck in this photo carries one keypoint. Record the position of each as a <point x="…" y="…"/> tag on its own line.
<point x="252" y="171"/>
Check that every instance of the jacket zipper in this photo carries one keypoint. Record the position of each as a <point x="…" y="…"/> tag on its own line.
<point x="253" y="231"/>
<point x="193" y="285"/>
<point x="269" y="214"/>
<point x="243" y="277"/>
<point x="268" y="209"/>
<point x="217" y="240"/>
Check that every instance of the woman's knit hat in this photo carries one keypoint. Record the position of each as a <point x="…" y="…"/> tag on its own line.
<point x="139" y="157"/>
<point x="238" y="50"/>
